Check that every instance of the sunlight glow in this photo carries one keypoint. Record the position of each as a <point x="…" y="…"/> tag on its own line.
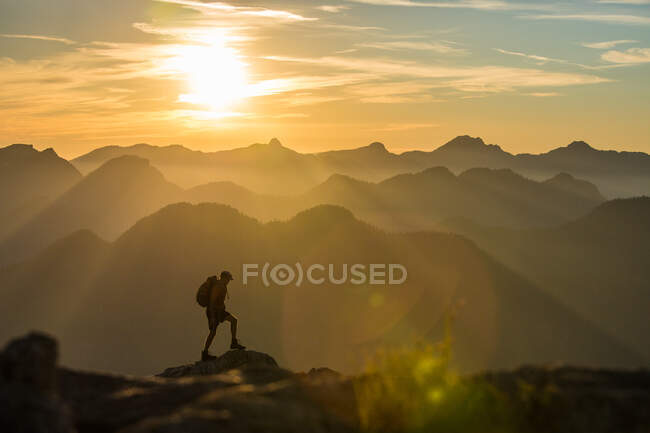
<point x="216" y="75"/>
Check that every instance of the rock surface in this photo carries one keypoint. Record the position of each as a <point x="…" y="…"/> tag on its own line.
<point x="256" y="397"/>
<point x="28" y="397"/>
<point x="228" y="361"/>
<point x="246" y="391"/>
<point x="571" y="399"/>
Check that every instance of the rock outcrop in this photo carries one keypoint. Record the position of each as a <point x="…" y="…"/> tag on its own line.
<point x="246" y="391"/>
<point x="240" y="391"/>
<point x="28" y="397"/>
<point x="230" y="360"/>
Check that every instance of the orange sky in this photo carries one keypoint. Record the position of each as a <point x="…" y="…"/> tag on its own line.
<point x="527" y="76"/>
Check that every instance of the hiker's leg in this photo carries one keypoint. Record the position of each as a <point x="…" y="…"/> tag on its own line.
<point x="212" y="323"/>
<point x="208" y="341"/>
<point x="233" y="326"/>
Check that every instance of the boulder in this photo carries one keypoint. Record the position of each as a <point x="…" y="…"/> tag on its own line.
<point x="28" y="396"/>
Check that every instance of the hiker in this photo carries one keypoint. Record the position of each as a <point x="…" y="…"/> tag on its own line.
<point x="215" y="308"/>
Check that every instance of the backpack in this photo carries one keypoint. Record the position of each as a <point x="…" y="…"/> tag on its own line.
<point x="203" y="294"/>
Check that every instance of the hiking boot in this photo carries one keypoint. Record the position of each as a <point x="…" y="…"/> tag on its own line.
<point x="235" y="345"/>
<point x="205" y="356"/>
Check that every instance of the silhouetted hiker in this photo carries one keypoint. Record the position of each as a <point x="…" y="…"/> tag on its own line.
<point x="212" y="295"/>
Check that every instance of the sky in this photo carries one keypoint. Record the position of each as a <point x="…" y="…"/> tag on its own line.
<point x="319" y="75"/>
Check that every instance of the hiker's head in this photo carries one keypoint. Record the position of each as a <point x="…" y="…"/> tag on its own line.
<point x="226" y="276"/>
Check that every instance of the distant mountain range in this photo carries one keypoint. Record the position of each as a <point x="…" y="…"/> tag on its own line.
<point x="563" y="276"/>
<point x="112" y="198"/>
<point x="29" y="181"/>
<point x="129" y="305"/>
<point x="419" y="201"/>
<point x="598" y="265"/>
<point x="273" y="168"/>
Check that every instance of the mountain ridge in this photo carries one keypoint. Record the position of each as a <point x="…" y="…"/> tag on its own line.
<point x="616" y="173"/>
<point x="107" y="291"/>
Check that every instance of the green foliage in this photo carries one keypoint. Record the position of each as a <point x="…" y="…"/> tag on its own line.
<point x="416" y="390"/>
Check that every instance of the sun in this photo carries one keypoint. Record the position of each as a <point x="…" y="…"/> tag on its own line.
<point x="216" y="76"/>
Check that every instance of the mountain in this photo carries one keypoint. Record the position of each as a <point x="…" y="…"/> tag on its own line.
<point x="107" y="201"/>
<point x="29" y="180"/>
<point x="596" y="265"/>
<point x="373" y="162"/>
<point x="265" y="167"/>
<point x="617" y="174"/>
<point x="419" y="201"/>
<point x="462" y="153"/>
<point x="579" y="187"/>
<point x="273" y="168"/>
<point x="130" y="307"/>
<point x="124" y="189"/>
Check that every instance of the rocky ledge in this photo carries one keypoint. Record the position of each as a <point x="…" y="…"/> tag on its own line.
<point x="246" y="391"/>
<point x="228" y="361"/>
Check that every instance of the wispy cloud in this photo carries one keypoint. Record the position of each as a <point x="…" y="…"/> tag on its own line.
<point x="491" y="79"/>
<point x="391" y="127"/>
<point x="201" y="34"/>
<point x="620" y="59"/>
<point x="436" y="47"/>
<point x="38" y="37"/>
<point x="539" y="59"/>
<point x="607" y="44"/>
<point x="309" y="98"/>
<point x="466" y="4"/>
<point x="631" y="56"/>
<point x="543" y="94"/>
<point x="625" y="2"/>
<point x="333" y="9"/>
<point x="602" y="18"/>
<point x="351" y="28"/>
<point x="388" y="92"/>
<point x="239" y="10"/>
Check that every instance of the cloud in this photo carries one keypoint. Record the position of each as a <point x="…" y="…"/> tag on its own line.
<point x="540" y="59"/>
<point x="290" y="116"/>
<point x="39" y="37"/>
<point x="308" y="98"/>
<point x="391" y="127"/>
<point x="625" y="2"/>
<point x="398" y="99"/>
<point x="463" y="4"/>
<point x="629" y="57"/>
<point x="350" y="28"/>
<point x="333" y="9"/>
<point x="436" y="47"/>
<point x="388" y="92"/>
<point x="607" y="44"/>
<point x="468" y="79"/>
<point x="543" y="94"/>
<point x="202" y="34"/>
<point x="207" y="7"/>
<point x="602" y="18"/>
